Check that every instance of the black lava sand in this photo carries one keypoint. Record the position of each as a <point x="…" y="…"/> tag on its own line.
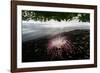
<point x="37" y="50"/>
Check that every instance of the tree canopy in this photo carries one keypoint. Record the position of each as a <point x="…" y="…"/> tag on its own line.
<point x="57" y="16"/>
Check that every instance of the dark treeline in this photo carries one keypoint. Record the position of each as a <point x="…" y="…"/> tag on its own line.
<point x="57" y="16"/>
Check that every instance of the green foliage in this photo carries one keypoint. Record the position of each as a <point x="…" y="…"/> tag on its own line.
<point x="57" y="16"/>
